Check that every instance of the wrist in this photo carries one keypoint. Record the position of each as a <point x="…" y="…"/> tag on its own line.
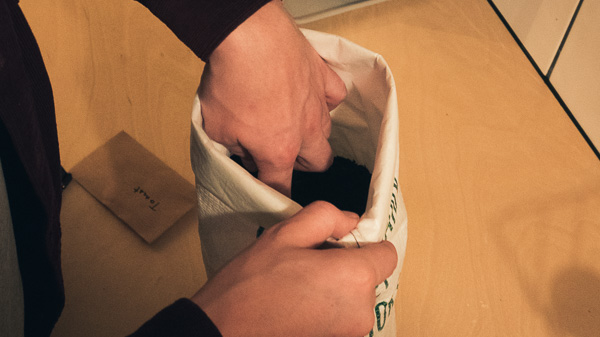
<point x="267" y="30"/>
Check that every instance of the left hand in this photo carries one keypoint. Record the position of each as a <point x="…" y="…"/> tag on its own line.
<point x="266" y="96"/>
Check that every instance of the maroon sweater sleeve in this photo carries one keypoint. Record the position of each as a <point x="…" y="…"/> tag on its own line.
<point x="182" y="319"/>
<point x="203" y="24"/>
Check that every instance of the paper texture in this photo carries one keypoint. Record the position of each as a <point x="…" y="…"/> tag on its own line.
<point x="232" y="204"/>
<point x="136" y="186"/>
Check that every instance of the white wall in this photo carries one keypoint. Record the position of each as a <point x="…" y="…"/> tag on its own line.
<point x="308" y="10"/>
<point x="576" y="75"/>
<point x="539" y="24"/>
<point x="300" y="8"/>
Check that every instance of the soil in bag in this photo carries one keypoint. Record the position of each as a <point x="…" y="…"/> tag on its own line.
<point x="345" y="184"/>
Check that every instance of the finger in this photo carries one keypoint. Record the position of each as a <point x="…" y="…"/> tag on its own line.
<point x="326" y="123"/>
<point x="315" y="156"/>
<point x="315" y="223"/>
<point x="277" y="177"/>
<point x="335" y="89"/>
<point x="274" y="158"/>
<point x="315" y="153"/>
<point x="347" y="226"/>
<point x="248" y="161"/>
<point x="382" y="257"/>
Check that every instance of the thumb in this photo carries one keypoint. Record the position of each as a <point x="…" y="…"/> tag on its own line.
<point x="382" y="256"/>
<point x="315" y="223"/>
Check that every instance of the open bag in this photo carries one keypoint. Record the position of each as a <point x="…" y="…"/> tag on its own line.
<point x="233" y="205"/>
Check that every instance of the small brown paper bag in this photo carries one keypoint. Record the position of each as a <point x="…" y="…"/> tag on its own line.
<point x="136" y="186"/>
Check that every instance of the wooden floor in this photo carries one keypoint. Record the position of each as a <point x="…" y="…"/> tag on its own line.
<point x="502" y="192"/>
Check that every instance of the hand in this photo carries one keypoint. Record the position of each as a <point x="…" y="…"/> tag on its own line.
<point x="285" y="285"/>
<point x="266" y="96"/>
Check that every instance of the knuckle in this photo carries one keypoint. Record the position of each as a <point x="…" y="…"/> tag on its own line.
<point x="364" y="278"/>
<point x="323" y="163"/>
<point x="279" y="156"/>
<point x="287" y="151"/>
<point x="327" y="209"/>
<point x="286" y="159"/>
<point x="275" y="234"/>
<point x="393" y="253"/>
<point x="339" y="92"/>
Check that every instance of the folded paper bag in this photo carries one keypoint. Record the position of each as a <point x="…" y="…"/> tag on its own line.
<point x="137" y="187"/>
<point x="233" y="205"/>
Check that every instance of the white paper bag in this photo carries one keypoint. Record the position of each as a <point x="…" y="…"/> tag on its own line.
<point x="233" y="205"/>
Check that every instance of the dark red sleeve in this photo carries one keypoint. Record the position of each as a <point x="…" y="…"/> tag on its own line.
<point x="182" y="319"/>
<point x="203" y="24"/>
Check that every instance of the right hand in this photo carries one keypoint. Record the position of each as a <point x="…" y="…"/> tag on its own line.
<point x="285" y="285"/>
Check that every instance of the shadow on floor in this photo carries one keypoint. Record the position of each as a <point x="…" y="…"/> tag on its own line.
<point x="575" y="301"/>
